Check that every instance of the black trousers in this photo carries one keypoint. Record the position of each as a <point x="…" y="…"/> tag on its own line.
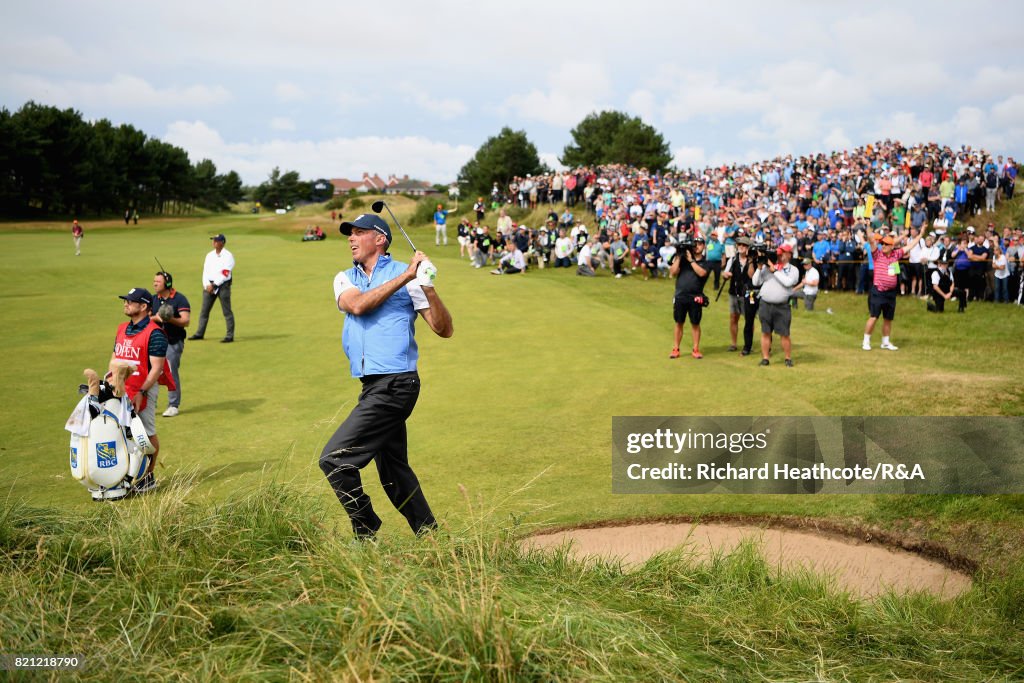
<point x="749" y="316"/>
<point x="375" y="430"/>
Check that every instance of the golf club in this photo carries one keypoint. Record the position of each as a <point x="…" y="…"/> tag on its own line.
<point x="380" y="204"/>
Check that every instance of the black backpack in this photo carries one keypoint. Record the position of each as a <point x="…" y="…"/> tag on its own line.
<point x="992" y="180"/>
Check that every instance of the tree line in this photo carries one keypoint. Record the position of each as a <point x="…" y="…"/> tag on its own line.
<point x="55" y="162"/>
<point x="608" y="137"/>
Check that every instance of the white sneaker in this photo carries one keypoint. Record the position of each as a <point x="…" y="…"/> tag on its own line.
<point x="890" y="346"/>
<point x="866" y="346"/>
<point x="171" y="412"/>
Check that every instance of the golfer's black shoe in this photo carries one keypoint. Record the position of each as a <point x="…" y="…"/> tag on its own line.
<point x="227" y="340"/>
<point x="764" y="361"/>
<point x="789" y="362"/>
<point x="196" y="337"/>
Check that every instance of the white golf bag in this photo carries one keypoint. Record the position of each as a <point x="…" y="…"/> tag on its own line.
<point x="109" y="446"/>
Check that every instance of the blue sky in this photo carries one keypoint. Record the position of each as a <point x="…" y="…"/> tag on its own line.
<point x="333" y="89"/>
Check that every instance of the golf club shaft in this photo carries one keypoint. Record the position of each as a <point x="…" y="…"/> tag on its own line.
<point x="399" y="225"/>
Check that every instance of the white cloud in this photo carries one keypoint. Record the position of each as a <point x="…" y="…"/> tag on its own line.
<point x="689" y="157"/>
<point x="642" y="103"/>
<point x="122" y="91"/>
<point x="701" y="94"/>
<point x="995" y="81"/>
<point x="42" y="52"/>
<point x="575" y="89"/>
<point x="349" y="99"/>
<point x="289" y="92"/>
<point x="418" y="157"/>
<point x="1009" y="112"/>
<point x="999" y="129"/>
<point x="551" y="159"/>
<point x="443" y="107"/>
<point x="837" y="140"/>
<point x="282" y="123"/>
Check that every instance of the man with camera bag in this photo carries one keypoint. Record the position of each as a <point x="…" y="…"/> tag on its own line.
<point x="742" y="295"/>
<point x="776" y="278"/>
<point x="690" y="268"/>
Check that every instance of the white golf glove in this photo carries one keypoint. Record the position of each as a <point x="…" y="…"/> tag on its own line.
<point x="425" y="274"/>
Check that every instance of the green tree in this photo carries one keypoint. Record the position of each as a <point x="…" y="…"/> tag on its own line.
<point x="282" y="189"/>
<point x="612" y="137"/>
<point x="500" y="158"/>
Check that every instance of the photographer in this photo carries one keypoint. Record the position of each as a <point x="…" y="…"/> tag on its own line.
<point x="776" y="281"/>
<point x="742" y="295"/>
<point x="690" y="268"/>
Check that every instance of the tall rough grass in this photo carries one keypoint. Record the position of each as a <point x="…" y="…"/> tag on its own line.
<point x="269" y="586"/>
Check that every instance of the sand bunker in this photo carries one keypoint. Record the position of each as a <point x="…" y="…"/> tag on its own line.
<point x="863" y="569"/>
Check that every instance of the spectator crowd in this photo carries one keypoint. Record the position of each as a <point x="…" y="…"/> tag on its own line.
<point x="631" y="221"/>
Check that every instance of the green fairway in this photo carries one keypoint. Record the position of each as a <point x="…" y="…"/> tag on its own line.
<point x="245" y="548"/>
<point x="521" y="396"/>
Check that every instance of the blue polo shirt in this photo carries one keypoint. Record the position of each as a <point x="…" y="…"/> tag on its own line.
<point x="821" y="249"/>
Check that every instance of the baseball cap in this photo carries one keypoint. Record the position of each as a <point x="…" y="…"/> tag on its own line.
<point x="784" y="247"/>
<point x="366" y="221"/>
<point x="888" y="240"/>
<point x="970" y="229"/>
<point x="137" y="295"/>
<point x="219" y="238"/>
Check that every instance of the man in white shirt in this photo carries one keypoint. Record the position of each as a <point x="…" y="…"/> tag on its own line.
<point x="807" y="288"/>
<point x="512" y="262"/>
<point x="217" y="274"/>
<point x="585" y="260"/>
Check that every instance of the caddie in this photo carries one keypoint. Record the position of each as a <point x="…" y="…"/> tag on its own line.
<point x="141" y="343"/>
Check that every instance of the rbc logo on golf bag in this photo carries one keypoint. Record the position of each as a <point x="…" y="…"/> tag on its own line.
<point x="74" y="458"/>
<point x="106" y="454"/>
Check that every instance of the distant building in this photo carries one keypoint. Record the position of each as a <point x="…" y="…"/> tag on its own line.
<point x="368" y="183"/>
<point x="406" y="185"/>
<point x="374" y="183"/>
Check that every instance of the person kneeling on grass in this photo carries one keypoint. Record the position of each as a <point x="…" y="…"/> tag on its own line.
<point x="512" y="262"/>
<point x="586" y="261"/>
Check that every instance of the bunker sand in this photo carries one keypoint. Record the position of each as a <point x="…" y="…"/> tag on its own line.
<point x="865" y="570"/>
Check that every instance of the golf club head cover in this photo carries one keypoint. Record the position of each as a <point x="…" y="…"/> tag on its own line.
<point x="93" y="379"/>
<point x="426" y="273"/>
<point x="119" y="372"/>
<point x="166" y="312"/>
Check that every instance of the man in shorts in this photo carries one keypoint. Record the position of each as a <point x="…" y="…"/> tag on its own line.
<point x="776" y="281"/>
<point x="141" y="343"/>
<point x="885" y="284"/>
<point x="690" y="269"/>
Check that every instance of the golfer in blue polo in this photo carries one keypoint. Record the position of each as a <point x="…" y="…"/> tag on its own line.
<point x="381" y="298"/>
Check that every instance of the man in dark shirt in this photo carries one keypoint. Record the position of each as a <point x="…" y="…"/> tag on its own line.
<point x="173" y="326"/>
<point x="978" y="254"/>
<point x="690" y="268"/>
<point x="742" y="295"/>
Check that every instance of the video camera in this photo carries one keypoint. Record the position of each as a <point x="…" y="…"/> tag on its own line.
<point x="684" y="244"/>
<point x="762" y="253"/>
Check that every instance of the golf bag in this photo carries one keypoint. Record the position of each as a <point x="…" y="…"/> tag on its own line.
<point x="109" y="449"/>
